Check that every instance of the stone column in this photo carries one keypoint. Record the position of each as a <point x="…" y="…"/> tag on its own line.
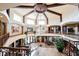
<point x="54" y="29"/>
<point x="76" y="29"/>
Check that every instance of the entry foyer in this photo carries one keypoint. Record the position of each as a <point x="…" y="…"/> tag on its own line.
<point x="39" y="29"/>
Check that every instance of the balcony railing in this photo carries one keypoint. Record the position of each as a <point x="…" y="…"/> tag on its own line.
<point x="10" y="51"/>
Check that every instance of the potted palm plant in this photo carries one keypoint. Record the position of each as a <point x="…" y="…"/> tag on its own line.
<point x="77" y="52"/>
<point x="59" y="44"/>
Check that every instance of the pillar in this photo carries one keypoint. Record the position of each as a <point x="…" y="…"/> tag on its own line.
<point x="61" y="29"/>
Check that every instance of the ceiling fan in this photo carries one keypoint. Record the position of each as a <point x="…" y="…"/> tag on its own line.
<point x="42" y="8"/>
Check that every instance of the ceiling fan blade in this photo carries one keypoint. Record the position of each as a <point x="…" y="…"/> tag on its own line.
<point x="36" y="18"/>
<point x="55" y="5"/>
<point x="29" y="13"/>
<point x="46" y="17"/>
<point x="24" y="6"/>
<point x="53" y="12"/>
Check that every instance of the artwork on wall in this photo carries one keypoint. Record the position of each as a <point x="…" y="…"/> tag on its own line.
<point x="16" y="29"/>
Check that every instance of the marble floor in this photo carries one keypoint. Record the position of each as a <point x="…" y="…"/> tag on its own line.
<point x="45" y="50"/>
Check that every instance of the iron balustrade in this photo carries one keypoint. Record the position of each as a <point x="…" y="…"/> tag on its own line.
<point x="10" y="51"/>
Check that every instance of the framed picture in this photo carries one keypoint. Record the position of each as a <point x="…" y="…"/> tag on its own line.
<point x="15" y="30"/>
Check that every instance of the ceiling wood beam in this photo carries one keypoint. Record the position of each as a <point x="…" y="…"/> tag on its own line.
<point x="36" y="18"/>
<point x="61" y="18"/>
<point x="53" y="12"/>
<point x="55" y="5"/>
<point x="8" y="12"/>
<point x="23" y="19"/>
<point x="25" y="6"/>
<point x="46" y="17"/>
<point x="29" y="13"/>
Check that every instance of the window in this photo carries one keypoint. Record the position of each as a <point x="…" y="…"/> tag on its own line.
<point x="17" y="18"/>
<point x="29" y="22"/>
<point x="41" y="23"/>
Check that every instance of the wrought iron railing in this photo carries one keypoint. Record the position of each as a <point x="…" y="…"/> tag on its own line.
<point x="10" y="51"/>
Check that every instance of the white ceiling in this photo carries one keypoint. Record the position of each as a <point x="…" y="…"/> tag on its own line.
<point x="21" y="11"/>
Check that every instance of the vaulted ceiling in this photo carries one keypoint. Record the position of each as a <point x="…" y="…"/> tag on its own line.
<point x="68" y="11"/>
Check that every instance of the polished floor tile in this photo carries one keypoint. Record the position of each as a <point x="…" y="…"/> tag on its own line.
<point x="46" y="50"/>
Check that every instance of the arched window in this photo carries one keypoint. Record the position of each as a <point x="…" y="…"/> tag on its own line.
<point x="41" y="22"/>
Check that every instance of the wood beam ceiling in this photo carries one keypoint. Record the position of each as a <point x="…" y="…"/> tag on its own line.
<point x="25" y="6"/>
<point x="53" y="12"/>
<point x="46" y="17"/>
<point x="36" y="18"/>
<point x="50" y="11"/>
<point x="55" y="5"/>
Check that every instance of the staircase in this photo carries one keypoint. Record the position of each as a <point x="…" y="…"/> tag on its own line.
<point x="3" y="39"/>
